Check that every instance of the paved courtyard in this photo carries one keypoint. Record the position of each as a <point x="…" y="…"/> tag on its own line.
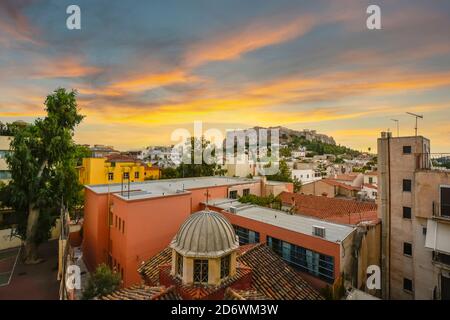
<point x="34" y="282"/>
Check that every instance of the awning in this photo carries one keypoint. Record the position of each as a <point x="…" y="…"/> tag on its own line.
<point x="438" y="236"/>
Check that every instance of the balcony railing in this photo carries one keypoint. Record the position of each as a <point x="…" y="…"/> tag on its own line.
<point x="433" y="161"/>
<point x="441" y="258"/>
<point x="439" y="212"/>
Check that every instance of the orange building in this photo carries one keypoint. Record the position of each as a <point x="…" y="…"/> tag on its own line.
<point x="124" y="227"/>
<point x="320" y="250"/>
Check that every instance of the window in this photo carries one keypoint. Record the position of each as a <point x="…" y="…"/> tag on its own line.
<point x="233" y="194"/>
<point x="406" y="213"/>
<point x="120" y="223"/>
<point x="126" y="175"/>
<point x="110" y="176"/>
<point x="406" y="185"/>
<point x="370" y="180"/>
<point x="225" y="267"/>
<point x="136" y="175"/>
<point x="3" y="154"/>
<point x="5" y="174"/>
<point x="424" y="231"/>
<point x="116" y="222"/>
<point x="245" y="192"/>
<point x="314" y="263"/>
<point x="407" y="284"/>
<point x="110" y="219"/>
<point x="179" y="270"/>
<point x="407" y="248"/>
<point x="123" y="226"/>
<point x="407" y="149"/>
<point x="246" y="236"/>
<point x="200" y="271"/>
<point x="445" y="201"/>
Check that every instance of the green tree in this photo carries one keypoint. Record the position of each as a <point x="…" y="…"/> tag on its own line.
<point x="191" y="169"/>
<point x="169" y="173"/>
<point x="284" y="173"/>
<point x="42" y="164"/>
<point x="102" y="282"/>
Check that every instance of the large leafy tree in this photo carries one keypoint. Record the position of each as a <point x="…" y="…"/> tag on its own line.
<point x="42" y="164"/>
<point x="191" y="169"/>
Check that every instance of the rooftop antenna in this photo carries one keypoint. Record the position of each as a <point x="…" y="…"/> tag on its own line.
<point x="398" y="130"/>
<point x="417" y="116"/>
<point x="207" y="197"/>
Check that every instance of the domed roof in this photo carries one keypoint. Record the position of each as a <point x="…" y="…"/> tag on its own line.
<point x="205" y="234"/>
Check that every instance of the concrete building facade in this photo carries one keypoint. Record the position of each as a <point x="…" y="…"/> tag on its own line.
<point x="414" y="199"/>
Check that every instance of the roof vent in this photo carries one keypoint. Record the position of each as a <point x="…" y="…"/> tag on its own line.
<point x="319" y="231"/>
<point x="233" y="209"/>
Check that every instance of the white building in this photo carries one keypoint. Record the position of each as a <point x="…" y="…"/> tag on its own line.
<point x="306" y="175"/>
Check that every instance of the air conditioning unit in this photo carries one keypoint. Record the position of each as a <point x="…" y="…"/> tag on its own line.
<point x="233" y="209"/>
<point x="319" y="231"/>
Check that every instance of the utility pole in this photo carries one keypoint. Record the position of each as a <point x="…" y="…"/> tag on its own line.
<point x="417" y="116"/>
<point x="398" y="129"/>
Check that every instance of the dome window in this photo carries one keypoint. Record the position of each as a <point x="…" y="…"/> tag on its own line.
<point x="201" y="271"/>
<point x="225" y="266"/>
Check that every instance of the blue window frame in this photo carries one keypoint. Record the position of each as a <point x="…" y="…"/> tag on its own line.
<point x="246" y="236"/>
<point x="314" y="263"/>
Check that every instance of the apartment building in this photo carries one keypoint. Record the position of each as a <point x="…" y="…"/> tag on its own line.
<point x="116" y="168"/>
<point x="126" y="225"/>
<point x="414" y="205"/>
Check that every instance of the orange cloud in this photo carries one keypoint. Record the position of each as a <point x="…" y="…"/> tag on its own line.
<point x="254" y="36"/>
<point x="65" y="67"/>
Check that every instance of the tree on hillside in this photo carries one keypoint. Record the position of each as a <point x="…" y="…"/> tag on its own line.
<point x="42" y="164"/>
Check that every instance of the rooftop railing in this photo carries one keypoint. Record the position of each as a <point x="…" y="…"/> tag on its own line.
<point x="433" y="161"/>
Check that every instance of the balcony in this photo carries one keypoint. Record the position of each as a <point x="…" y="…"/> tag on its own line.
<point x="441" y="258"/>
<point x="441" y="212"/>
<point x="433" y="161"/>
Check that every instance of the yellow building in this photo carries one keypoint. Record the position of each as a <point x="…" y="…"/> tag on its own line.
<point x="115" y="168"/>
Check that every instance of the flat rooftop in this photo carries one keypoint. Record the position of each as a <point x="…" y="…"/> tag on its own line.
<point x="333" y="232"/>
<point x="158" y="188"/>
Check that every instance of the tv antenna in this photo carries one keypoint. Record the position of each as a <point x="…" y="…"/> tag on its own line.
<point x="417" y="116"/>
<point x="398" y="130"/>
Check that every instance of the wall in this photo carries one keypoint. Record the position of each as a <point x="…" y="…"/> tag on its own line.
<point x="150" y="226"/>
<point x="318" y="188"/>
<point x="95" y="229"/>
<point x="6" y="241"/>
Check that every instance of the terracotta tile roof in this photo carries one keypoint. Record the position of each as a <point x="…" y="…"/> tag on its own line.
<point x="150" y="271"/>
<point x="371" y="186"/>
<point x="331" y="209"/>
<point x="333" y="182"/>
<point x="121" y="158"/>
<point x="234" y="294"/>
<point x="198" y="291"/>
<point x="371" y="173"/>
<point x="274" y="278"/>
<point x="143" y="292"/>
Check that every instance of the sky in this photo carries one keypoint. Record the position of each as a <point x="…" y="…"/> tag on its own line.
<point x="145" y="68"/>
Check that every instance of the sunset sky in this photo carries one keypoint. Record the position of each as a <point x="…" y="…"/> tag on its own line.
<point x="145" y="68"/>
